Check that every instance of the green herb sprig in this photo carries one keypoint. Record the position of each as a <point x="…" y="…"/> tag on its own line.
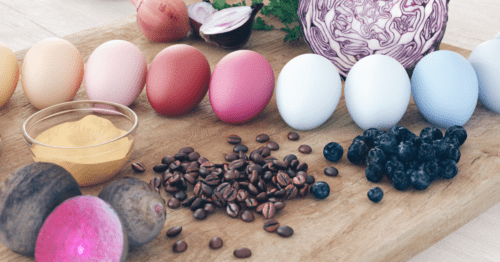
<point x="284" y="10"/>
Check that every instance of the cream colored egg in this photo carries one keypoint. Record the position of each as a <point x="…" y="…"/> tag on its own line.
<point x="9" y="73"/>
<point x="52" y="72"/>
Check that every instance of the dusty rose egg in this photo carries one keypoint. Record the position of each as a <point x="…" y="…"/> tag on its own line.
<point x="241" y="86"/>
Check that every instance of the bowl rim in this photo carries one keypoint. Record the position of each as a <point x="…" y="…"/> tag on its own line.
<point x="31" y="140"/>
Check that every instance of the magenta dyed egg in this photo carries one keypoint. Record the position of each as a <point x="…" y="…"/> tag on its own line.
<point x="241" y="86"/>
<point x="82" y="228"/>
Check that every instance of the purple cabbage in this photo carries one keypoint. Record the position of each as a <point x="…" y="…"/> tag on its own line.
<point x="344" y="31"/>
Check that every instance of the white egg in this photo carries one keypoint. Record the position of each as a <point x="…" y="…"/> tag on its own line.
<point x="377" y="92"/>
<point x="486" y="62"/>
<point x="308" y="91"/>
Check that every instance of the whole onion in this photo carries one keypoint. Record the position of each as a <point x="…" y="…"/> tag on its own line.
<point x="162" y="20"/>
<point x="344" y="31"/>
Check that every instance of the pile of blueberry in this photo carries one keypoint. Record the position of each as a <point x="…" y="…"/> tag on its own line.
<point x="407" y="159"/>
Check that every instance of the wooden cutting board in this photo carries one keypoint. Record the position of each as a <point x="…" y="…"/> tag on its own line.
<point x="346" y="226"/>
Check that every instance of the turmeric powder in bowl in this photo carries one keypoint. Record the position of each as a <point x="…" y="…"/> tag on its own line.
<point x="92" y="148"/>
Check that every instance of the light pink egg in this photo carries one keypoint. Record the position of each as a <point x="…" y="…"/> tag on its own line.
<point x="115" y="72"/>
<point x="241" y="86"/>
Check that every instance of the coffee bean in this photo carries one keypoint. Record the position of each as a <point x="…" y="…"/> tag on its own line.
<point x="253" y="190"/>
<point x="231" y="174"/>
<point x="210" y="208"/>
<point x="284" y="231"/>
<point x="273" y="146"/>
<point x="229" y="194"/>
<point x="299" y="180"/>
<point x="155" y="182"/>
<point x="176" y="165"/>
<point x="173" y="203"/>
<point x="200" y="214"/>
<point x="198" y="203"/>
<point x="280" y="193"/>
<point x="215" y="243"/>
<point x="262" y="138"/>
<point x="265" y="152"/>
<point x="175" y="179"/>
<point x="279" y="205"/>
<point x="233" y="210"/>
<point x="171" y="189"/>
<point x="293" y="136"/>
<point x="193" y="156"/>
<point x="206" y="190"/>
<point x="222" y="187"/>
<point x="294" y="164"/>
<point x="239" y="148"/>
<point x="242" y="252"/>
<point x="331" y="171"/>
<point x="247" y="216"/>
<point x="258" y="159"/>
<point x="283" y="179"/>
<point x="180" y="246"/>
<point x="138" y="167"/>
<point x="273" y="200"/>
<point x="268" y="210"/>
<point x="302" y="167"/>
<point x="291" y="173"/>
<point x="186" y="150"/>
<point x="202" y="160"/>
<point x="230" y="157"/>
<point x="233" y="139"/>
<point x="291" y="192"/>
<point x="237" y="164"/>
<point x="271" y="225"/>
<point x="290" y="158"/>
<point x="303" y="191"/>
<point x="310" y="179"/>
<point x="190" y="179"/>
<point x="160" y="168"/>
<point x="167" y="160"/>
<point x="261" y="197"/>
<point x="181" y="195"/>
<point x="268" y="175"/>
<point x="174" y="231"/>
<point x="181" y="157"/>
<point x="305" y="149"/>
<point x="242" y="155"/>
<point x="197" y="189"/>
<point x="212" y="180"/>
<point x="242" y="195"/>
<point x="251" y="202"/>
<point x="188" y="201"/>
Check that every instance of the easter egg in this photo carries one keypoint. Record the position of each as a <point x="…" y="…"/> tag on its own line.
<point x="115" y="72"/>
<point x="445" y="89"/>
<point x="485" y="60"/>
<point x="52" y="72"/>
<point x="308" y="91"/>
<point x="177" y="80"/>
<point x="377" y="92"/>
<point x="241" y="86"/>
<point x="9" y="73"/>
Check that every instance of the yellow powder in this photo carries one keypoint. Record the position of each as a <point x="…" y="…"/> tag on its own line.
<point x="91" y="165"/>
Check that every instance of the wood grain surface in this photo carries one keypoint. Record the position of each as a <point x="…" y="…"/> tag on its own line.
<point x="344" y="227"/>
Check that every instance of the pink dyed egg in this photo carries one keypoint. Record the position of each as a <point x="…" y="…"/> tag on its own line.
<point x="241" y="86"/>
<point x="82" y="228"/>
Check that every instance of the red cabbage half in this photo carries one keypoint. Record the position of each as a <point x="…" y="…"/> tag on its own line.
<point x="344" y="31"/>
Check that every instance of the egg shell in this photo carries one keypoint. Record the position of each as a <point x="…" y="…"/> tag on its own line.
<point x="377" y="92"/>
<point x="445" y="89"/>
<point x="485" y="59"/>
<point x="241" y="86"/>
<point x="115" y="72"/>
<point x="177" y="80"/>
<point x="82" y="228"/>
<point x="308" y="91"/>
<point x="52" y="72"/>
<point x="9" y="73"/>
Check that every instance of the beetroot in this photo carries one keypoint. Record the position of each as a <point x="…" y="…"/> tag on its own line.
<point x="82" y="228"/>
<point x="140" y="207"/>
<point x="27" y="197"/>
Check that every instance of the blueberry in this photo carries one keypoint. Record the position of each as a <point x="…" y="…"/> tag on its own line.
<point x="414" y="139"/>
<point x="371" y="133"/>
<point x="449" y="168"/>
<point x="375" y="194"/>
<point x="401" y="179"/>
<point x="374" y="173"/>
<point x="392" y="166"/>
<point x="419" y="180"/>
<point x="452" y="153"/>
<point x="399" y="132"/>
<point x="452" y="140"/>
<point x="387" y="143"/>
<point x="432" y="169"/>
<point x="333" y="152"/>
<point x="357" y="152"/>
<point x="406" y="151"/>
<point x="426" y="152"/>
<point x="320" y="190"/>
<point x="440" y="147"/>
<point x="376" y="156"/>
<point x="458" y="132"/>
<point x="368" y="141"/>
<point x="415" y="164"/>
<point x="430" y="134"/>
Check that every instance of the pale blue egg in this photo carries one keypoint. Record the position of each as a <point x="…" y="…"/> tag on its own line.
<point x="445" y="88"/>
<point x="485" y="59"/>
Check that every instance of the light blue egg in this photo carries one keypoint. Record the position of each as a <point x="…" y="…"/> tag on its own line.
<point x="445" y="88"/>
<point x="485" y="60"/>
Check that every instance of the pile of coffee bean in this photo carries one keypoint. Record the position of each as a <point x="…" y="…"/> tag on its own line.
<point x="256" y="181"/>
<point x="271" y="226"/>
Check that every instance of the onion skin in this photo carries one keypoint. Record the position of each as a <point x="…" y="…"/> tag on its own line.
<point x="162" y="20"/>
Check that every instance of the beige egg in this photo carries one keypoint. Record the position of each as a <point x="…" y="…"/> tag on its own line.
<point x="52" y="72"/>
<point x="9" y="73"/>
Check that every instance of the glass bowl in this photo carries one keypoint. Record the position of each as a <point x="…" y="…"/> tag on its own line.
<point x="92" y="164"/>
